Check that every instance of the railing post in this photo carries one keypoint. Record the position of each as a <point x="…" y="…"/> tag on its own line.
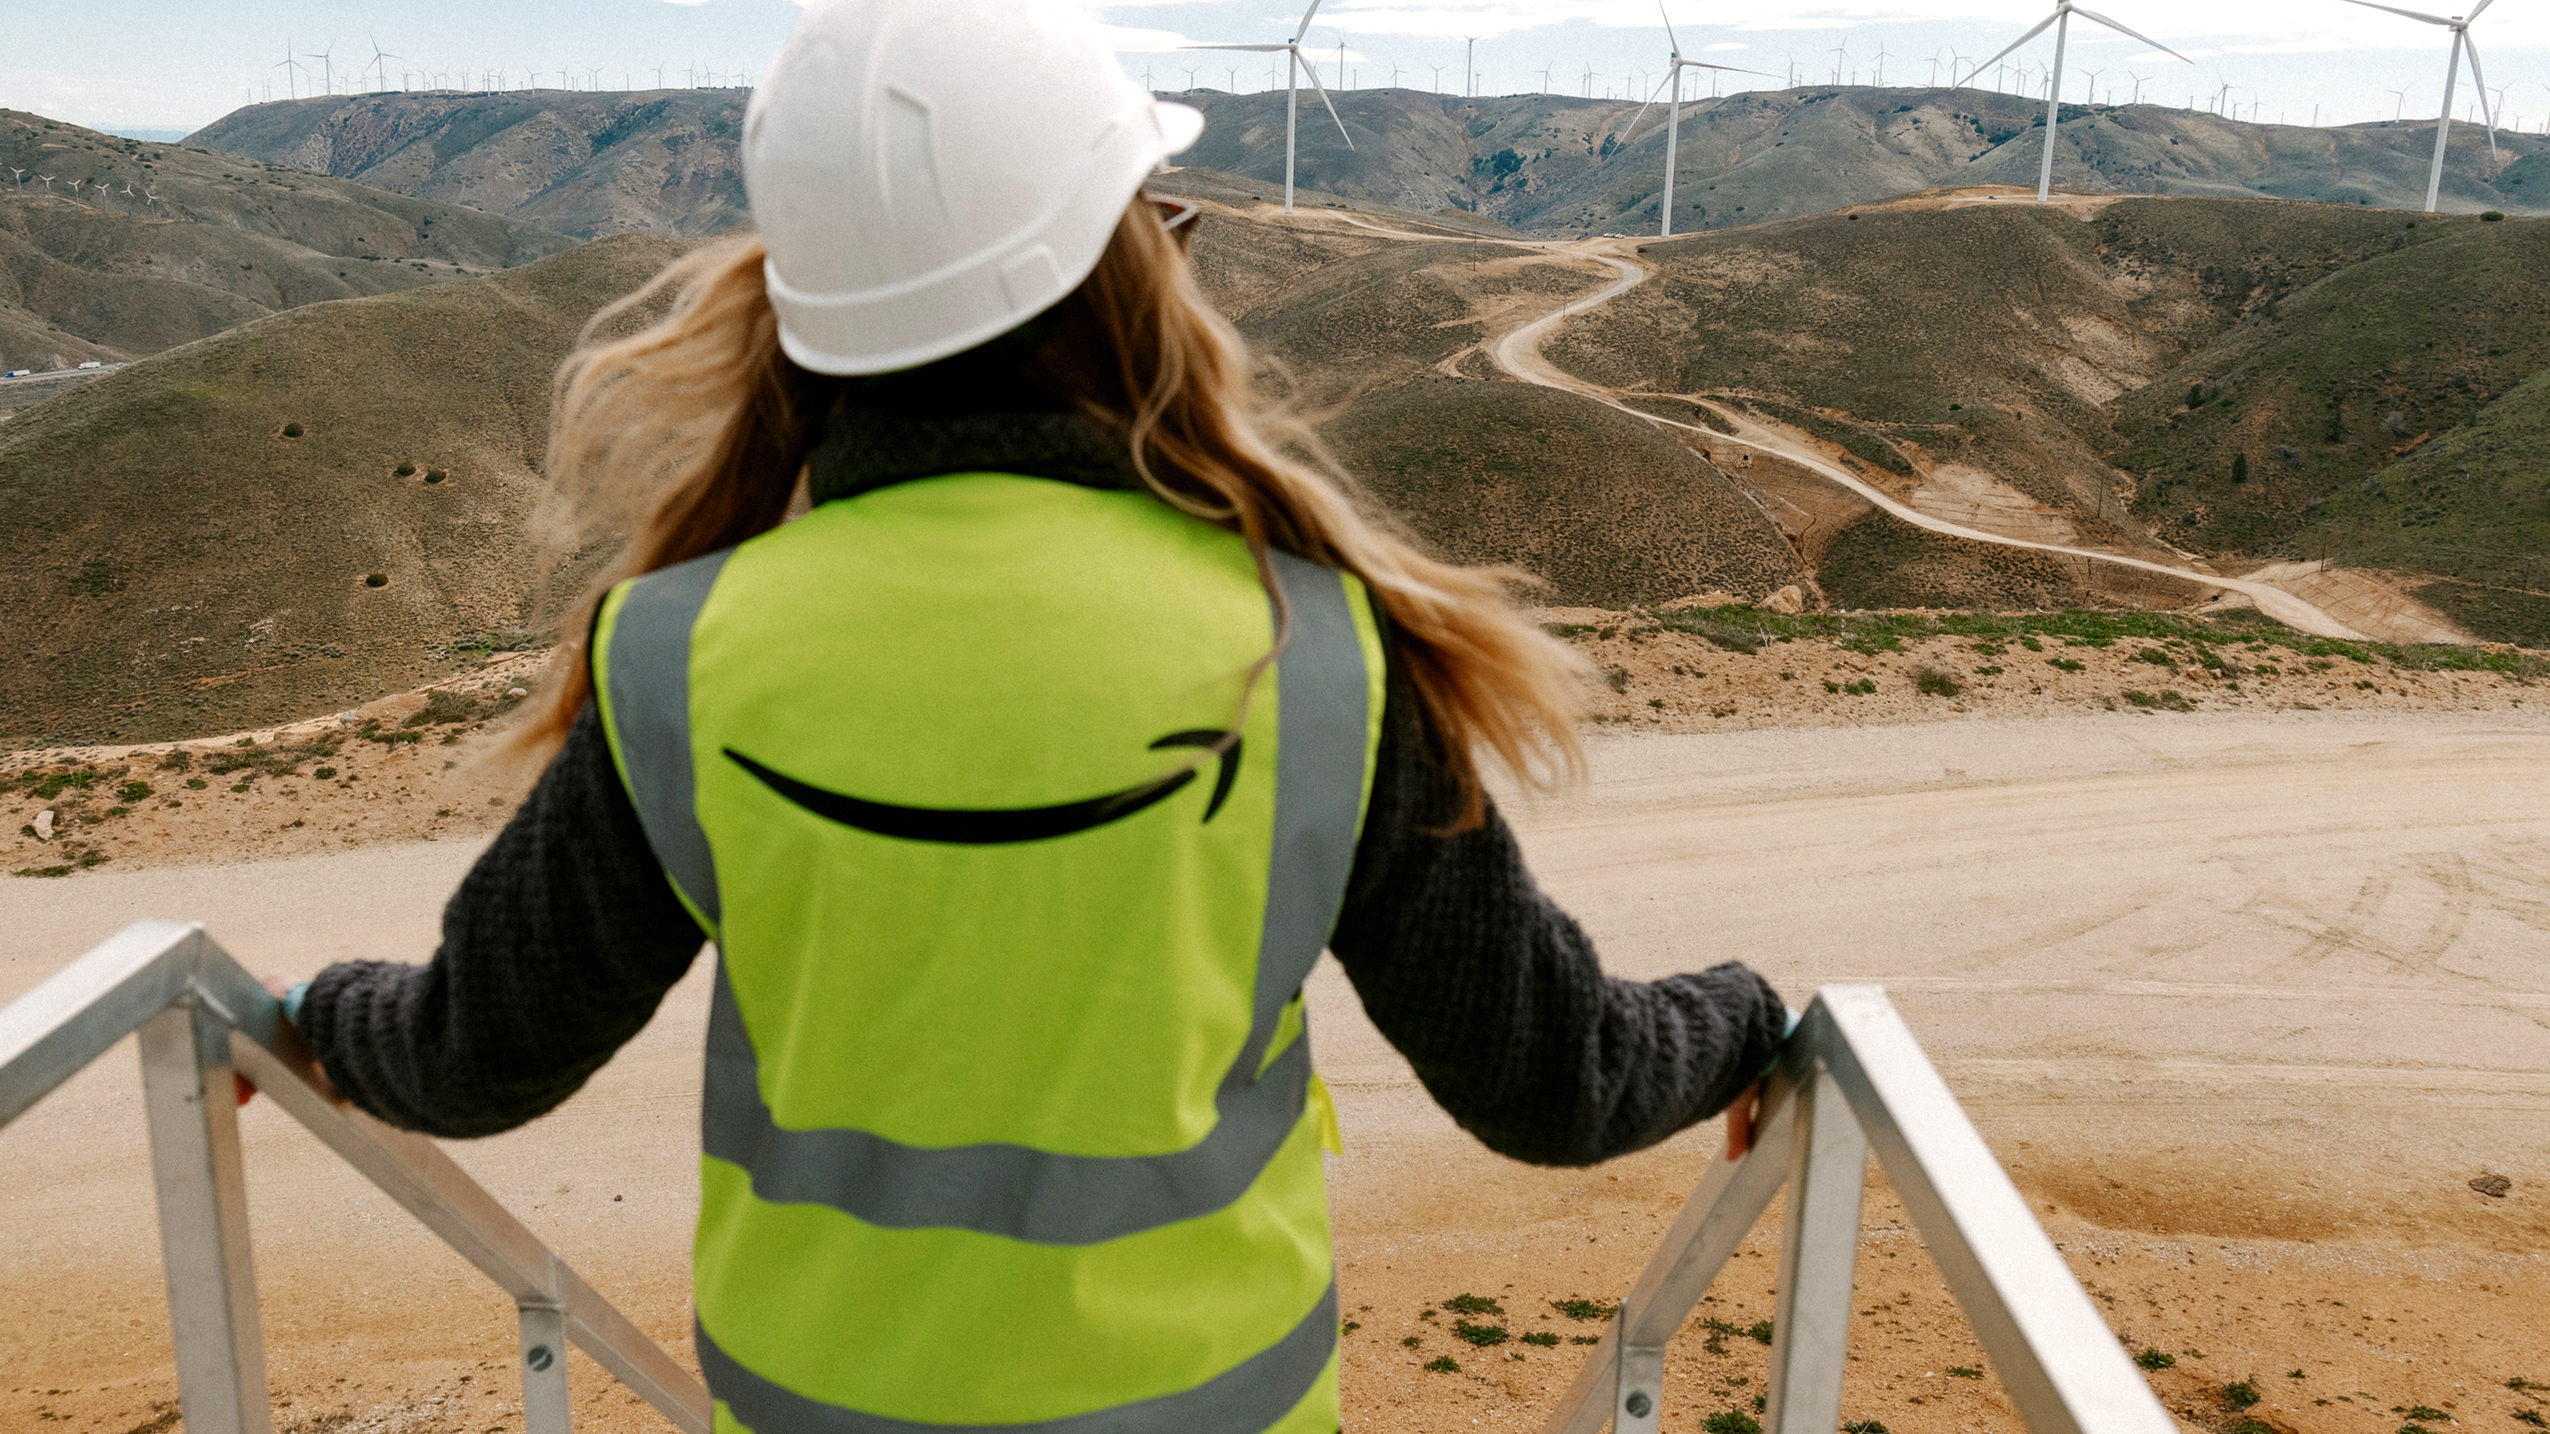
<point x="1639" y="1399"/>
<point x="544" y="1371"/>
<point x="203" y="1221"/>
<point x="1828" y="1169"/>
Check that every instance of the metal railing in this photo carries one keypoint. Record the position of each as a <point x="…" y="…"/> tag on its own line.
<point x="1851" y="1079"/>
<point x="200" y="1017"/>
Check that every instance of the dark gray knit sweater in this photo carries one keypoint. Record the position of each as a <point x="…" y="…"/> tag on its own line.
<point x="565" y="936"/>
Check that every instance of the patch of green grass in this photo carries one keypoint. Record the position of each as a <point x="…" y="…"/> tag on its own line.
<point x="2533" y="1418"/>
<point x="2065" y="664"/>
<point x="292" y="430"/>
<point x="1544" y="1338"/>
<point x="2240" y="1395"/>
<point x="1964" y="1371"/>
<point x="133" y="791"/>
<point x="2428" y="1411"/>
<point x="2155" y="1359"/>
<point x="1583" y="1309"/>
<point x="1863" y="1426"/>
<point x="1444" y="1364"/>
<point x="2162" y="702"/>
<point x="1759" y="1332"/>
<point x="1935" y="683"/>
<point x="1731" y="1421"/>
<point x="1584" y="1339"/>
<point x="2156" y="657"/>
<point x="1482" y="1335"/>
<point x="1412" y="1341"/>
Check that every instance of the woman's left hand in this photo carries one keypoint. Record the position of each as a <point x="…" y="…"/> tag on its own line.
<point x="1740" y="1118"/>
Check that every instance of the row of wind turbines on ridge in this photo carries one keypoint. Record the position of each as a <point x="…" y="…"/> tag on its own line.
<point x="1298" y="64"/>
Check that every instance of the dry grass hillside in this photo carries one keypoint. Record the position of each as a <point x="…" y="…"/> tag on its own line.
<point x="2104" y="363"/>
<point x="582" y="163"/>
<point x="203" y="242"/>
<point x="294" y="516"/>
<point x="2414" y="331"/>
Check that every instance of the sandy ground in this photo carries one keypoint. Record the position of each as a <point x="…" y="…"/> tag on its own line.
<point x="2243" y="999"/>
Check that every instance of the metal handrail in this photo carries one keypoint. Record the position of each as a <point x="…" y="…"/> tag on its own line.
<point x="200" y="1016"/>
<point x="1853" y="1078"/>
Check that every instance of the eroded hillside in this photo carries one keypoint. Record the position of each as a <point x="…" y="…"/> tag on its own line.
<point x="133" y="248"/>
<point x="296" y="516"/>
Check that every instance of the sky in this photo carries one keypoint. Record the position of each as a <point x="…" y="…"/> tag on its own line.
<point x="171" y="66"/>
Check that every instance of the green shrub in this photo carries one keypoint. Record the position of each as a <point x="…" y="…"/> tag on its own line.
<point x="435" y="475"/>
<point x="1760" y="1332"/>
<point x="2155" y="1359"/>
<point x="405" y="469"/>
<point x="1731" y="1421"/>
<point x="1478" y="1334"/>
<point x="323" y="773"/>
<point x="292" y="430"/>
<point x="2425" y="1411"/>
<point x="196" y="784"/>
<point x="133" y="791"/>
<point x="1965" y="1371"/>
<point x="2064" y="664"/>
<point x="2244" y="1394"/>
<point x="1443" y="1364"/>
<point x="1863" y="1426"/>
<point x="1936" y="683"/>
<point x="1544" y="1338"/>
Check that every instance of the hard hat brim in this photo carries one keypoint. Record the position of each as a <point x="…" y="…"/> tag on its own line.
<point x="1180" y="125"/>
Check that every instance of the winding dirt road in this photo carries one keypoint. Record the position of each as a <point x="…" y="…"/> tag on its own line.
<point x="1518" y="352"/>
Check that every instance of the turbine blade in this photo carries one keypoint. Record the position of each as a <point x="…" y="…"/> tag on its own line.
<point x="2479" y="81"/>
<point x="1323" y="99"/>
<point x="2146" y="39"/>
<point x="1732" y="69"/>
<point x="1670" y="37"/>
<point x="2040" y="29"/>
<point x="1265" y="49"/>
<point x="2474" y="14"/>
<point x="1306" y="14"/>
<point x="2394" y="9"/>
<point x="1642" y="109"/>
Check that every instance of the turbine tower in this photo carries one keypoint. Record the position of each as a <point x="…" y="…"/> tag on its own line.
<point x="1294" y="68"/>
<point x="2061" y="21"/>
<point x="1673" y="112"/>
<point x="2460" y="26"/>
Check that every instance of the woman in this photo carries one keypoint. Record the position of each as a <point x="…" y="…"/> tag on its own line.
<point x="1019" y="783"/>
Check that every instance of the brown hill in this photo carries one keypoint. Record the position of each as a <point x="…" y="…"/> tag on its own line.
<point x="291" y="517"/>
<point x="203" y="242"/>
<point x="1603" y="508"/>
<point x="582" y="163"/>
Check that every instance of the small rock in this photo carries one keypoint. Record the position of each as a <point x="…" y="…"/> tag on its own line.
<point x="2492" y="1186"/>
<point x="44" y="825"/>
<point x="1790" y="599"/>
<point x="517" y="692"/>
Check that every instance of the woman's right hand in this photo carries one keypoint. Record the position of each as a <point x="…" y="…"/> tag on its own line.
<point x="289" y="1048"/>
<point x="1740" y="1118"/>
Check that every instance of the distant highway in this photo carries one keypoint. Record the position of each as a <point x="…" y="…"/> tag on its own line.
<point x="58" y="374"/>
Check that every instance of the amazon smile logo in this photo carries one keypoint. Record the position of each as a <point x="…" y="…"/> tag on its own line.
<point x="996" y="826"/>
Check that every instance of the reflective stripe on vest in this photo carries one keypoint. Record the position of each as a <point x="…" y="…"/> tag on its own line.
<point x="1247" y="1396"/>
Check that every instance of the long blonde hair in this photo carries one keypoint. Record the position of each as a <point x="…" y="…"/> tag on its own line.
<point x="690" y="436"/>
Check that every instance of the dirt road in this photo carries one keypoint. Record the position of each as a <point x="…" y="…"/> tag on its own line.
<point x="2243" y="1001"/>
<point x="1519" y="353"/>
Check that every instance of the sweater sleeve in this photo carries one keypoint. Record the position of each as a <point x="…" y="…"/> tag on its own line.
<point x="556" y="950"/>
<point x="1495" y="995"/>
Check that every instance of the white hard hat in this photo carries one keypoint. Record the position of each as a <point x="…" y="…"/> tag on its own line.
<point x="930" y="174"/>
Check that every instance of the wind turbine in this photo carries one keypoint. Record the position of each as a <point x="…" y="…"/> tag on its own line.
<point x="659" y="78"/>
<point x="2139" y="82"/>
<point x="1545" y="69"/>
<point x="1294" y="68"/>
<point x="1881" y="64"/>
<point x="1841" y="52"/>
<point x="2094" y="74"/>
<point x="1438" y="77"/>
<point x="18" y="183"/>
<point x="2460" y="26"/>
<point x="1469" y="63"/>
<point x="380" y="62"/>
<point x="48" y="184"/>
<point x="327" y="66"/>
<point x="289" y="66"/>
<point x="2061" y="21"/>
<point x="1673" y="112"/>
